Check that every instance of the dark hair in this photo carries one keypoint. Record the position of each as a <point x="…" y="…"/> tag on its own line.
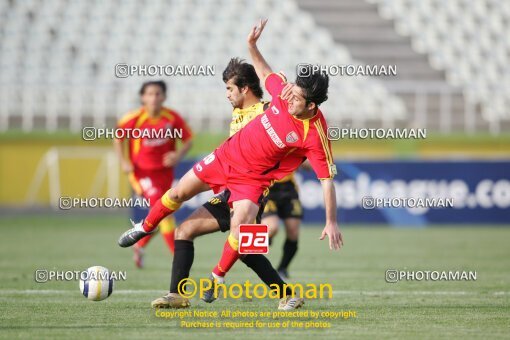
<point x="243" y="74"/>
<point x="315" y="87"/>
<point x="159" y="83"/>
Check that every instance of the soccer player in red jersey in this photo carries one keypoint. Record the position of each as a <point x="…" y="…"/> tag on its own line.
<point x="268" y="148"/>
<point x="152" y="158"/>
<point x="244" y="93"/>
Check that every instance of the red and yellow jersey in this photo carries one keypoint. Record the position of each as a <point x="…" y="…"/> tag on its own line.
<point x="241" y="117"/>
<point x="275" y="143"/>
<point x="147" y="153"/>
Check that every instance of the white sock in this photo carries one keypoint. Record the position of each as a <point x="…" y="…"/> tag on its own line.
<point x="219" y="279"/>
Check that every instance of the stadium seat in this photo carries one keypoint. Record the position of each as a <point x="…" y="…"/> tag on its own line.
<point x="472" y="48"/>
<point x="75" y="45"/>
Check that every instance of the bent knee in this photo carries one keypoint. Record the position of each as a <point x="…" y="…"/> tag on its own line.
<point x="273" y="230"/>
<point x="293" y="235"/>
<point x="178" y="195"/>
<point x="292" y="230"/>
<point x="186" y="231"/>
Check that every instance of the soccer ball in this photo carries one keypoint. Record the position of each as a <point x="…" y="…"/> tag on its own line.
<point x="96" y="283"/>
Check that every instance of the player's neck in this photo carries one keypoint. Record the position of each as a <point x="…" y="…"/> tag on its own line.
<point x="250" y="101"/>
<point x="153" y="113"/>
<point x="306" y="115"/>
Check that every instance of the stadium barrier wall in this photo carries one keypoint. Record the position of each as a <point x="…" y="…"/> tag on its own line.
<point x="480" y="191"/>
<point x="480" y="188"/>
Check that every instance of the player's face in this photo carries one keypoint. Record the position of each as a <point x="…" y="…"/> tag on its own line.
<point x="153" y="98"/>
<point x="234" y="95"/>
<point x="297" y="103"/>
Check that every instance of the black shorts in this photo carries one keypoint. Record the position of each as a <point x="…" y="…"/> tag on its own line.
<point x="219" y="208"/>
<point x="283" y="201"/>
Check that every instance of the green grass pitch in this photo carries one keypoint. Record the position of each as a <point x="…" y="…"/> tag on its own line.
<point x="479" y="309"/>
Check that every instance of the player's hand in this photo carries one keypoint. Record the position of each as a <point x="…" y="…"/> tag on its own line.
<point x="127" y="167"/>
<point x="334" y="235"/>
<point x="287" y="91"/>
<point x="255" y="32"/>
<point x="170" y="159"/>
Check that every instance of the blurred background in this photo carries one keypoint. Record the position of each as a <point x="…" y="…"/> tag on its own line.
<point x="57" y="75"/>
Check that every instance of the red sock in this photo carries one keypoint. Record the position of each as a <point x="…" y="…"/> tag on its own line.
<point x="228" y="257"/>
<point x="169" y="239"/>
<point x="143" y="242"/>
<point x="161" y="209"/>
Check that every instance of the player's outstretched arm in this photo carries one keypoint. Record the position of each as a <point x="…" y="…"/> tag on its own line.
<point x="172" y="158"/>
<point x="126" y="165"/>
<point x="260" y="64"/>
<point x="331" y="228"/>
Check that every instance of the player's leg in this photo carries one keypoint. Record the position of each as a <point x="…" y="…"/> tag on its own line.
<point x="261" y="265"/>
<point x="245" y="211"/>
<point x="139" y="251"/>
<point x="143" y="182"/>
<point x="200" y="222"/>
<point x="161" y="182"/>
<point x="187" y="187"/>
<point x="265" y="271"/>
<point x="139" y="247"/>
<point x="211" y="217"/>
<point x="270" y="218"/>
<point x="167" y="230"/>
<point x="291" y="212"/>
<point x="290" y="246"/>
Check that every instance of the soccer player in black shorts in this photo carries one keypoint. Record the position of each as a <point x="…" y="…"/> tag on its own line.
<point x="244" y="93"/>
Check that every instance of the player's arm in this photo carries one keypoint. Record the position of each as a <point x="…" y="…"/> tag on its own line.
<point x="118" y="146"/>
<point x="320" y="157"/>
<point x="331" y="229"/>
<point x="261" y="66"/>
<point x="306" y="166"/>
<point x="172" y="158"/>
<point x="275" y="83"/>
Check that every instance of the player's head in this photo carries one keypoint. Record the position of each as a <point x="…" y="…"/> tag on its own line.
<point x="309" y="92"/>
<point x="153" y="94"/>
<point x="242" y="82"/>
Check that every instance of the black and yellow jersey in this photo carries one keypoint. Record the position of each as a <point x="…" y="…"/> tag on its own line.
<point x="286" y="178"/>
<point x="241" y="117"/>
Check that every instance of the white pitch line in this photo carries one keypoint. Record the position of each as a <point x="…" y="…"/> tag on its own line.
<point x="64" y="291"/>
<point x="336" y="292"/>
<point x="395" y="292"/>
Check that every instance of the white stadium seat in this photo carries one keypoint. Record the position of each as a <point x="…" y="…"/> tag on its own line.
<point x="56" y="44"/>
<point x="469" y="40"/>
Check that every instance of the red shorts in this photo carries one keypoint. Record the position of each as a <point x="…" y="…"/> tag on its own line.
<point x="220" y="176"/>
<point x="151" y="184"/>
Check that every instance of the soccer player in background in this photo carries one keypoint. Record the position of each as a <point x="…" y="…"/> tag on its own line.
<point x="268" y="148"/>
<point x="151" y="161"/>
<point x="244" y="93"/>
